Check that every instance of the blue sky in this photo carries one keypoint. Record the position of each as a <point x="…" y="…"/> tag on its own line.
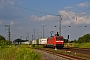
<point x="24" y="17"/>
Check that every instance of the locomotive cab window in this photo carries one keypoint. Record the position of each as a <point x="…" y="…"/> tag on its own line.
<point x="59" y="38"/>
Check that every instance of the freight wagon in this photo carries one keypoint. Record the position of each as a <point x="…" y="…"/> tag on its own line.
<point x="40" y="41"/>
<point x="43" y="41"/>
<point x="34" y="42"/>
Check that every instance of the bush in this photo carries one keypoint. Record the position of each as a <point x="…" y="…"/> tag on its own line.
<point x="3" y="43"/>
<point x="1" y="37"/>
<point x="19" y="52"/>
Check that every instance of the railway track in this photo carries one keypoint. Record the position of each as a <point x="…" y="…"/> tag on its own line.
<point x="85" y="51"/>
<point x="61" y="54"/>
<point x="78" y="50"/>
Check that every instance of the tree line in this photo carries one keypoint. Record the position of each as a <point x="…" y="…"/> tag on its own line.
<point x="84" y="39"/>
<point x="3" y="41"/>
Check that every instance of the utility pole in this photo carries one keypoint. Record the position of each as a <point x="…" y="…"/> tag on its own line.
<point x="21" y="37"/>
<point x="40" y="34"/>
<point x="55" y="29"/>
<point x="8" y="26"/>
<point x="34" y="34"/>
<point x="60" y="16"/>
<point x="27" y="36"/>
<point x="32" y="37"/>
<point x="43" y="30"/>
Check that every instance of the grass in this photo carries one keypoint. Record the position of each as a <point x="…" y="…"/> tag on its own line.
<point x="20" y="52"/>
<point x="71" y="54"/>
<point x="37" y="46"/>
<point x="85" y="45"/>
<point x="82" y="45"/>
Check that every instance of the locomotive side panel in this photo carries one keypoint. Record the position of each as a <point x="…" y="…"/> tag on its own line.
<point x="51" y="42"/>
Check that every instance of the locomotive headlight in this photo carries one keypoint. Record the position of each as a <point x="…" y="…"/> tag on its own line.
<point x="57" y="41"/>
<point x="61" y="41"/>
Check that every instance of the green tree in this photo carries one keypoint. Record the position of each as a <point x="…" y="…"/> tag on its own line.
<point x="1" y="37"/>
<point x="75" y="41"/>
<point x="3" y="42"/>
<point x="84" y="39"/>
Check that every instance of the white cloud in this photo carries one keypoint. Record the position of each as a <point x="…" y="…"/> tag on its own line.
<point x="68" y="17"/>
<point x="11" y="23"/>
<point x="47" y="17"/>
<point x="83" y="4"/>
<point x="71" y="17"/>
<point x="83" y="20"/>
<point x="6" y="2"/>
<point x="66" y="13"/>
<point x="34" y="17"/>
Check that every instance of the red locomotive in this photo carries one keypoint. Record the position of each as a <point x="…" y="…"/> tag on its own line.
<point x="55" y="41"/>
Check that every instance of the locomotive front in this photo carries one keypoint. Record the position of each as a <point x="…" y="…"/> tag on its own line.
<point x="59" y="41"/>
<point x="55" y="41"/>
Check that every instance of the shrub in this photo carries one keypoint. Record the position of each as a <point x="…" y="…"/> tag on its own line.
<point x="21" y="52"/>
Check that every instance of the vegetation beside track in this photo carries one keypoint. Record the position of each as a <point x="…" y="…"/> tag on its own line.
<point x="81" y="42"/>
<point x="19" y="52"/>
<point x="83" y="45"/>
<point x="78" y="45"/>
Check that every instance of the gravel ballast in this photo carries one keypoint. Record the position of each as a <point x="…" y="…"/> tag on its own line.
<point x="48" y="56"/>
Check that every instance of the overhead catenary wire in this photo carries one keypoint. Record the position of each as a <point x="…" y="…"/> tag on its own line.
<point x="84" y="10"/>
<point x="36" y="10"/>
<point x="29" y="9"/>
<point x="40" y="11"/>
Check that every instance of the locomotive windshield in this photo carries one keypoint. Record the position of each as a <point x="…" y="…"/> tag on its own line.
<point x="59" y="38"/>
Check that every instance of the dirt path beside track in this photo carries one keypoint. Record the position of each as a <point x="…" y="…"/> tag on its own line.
<point x="48" y="56"/>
